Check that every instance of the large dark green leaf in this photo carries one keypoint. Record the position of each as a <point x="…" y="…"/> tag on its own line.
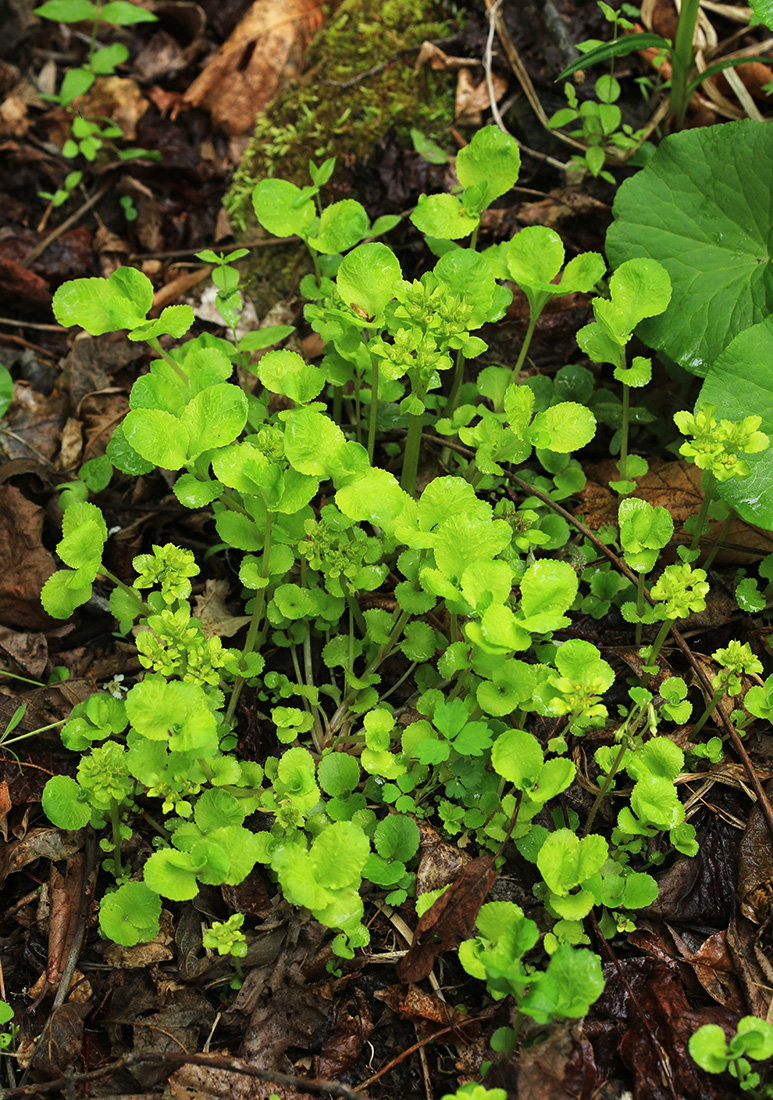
<point x="740" y="384"/>
<point x="702" y="208"/>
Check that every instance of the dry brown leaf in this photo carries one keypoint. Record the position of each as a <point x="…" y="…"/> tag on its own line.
<point x="432" y="55"/>
<point x="119" y="99"/>
<point x="473" y="98"/>
<point x="412" y="1003"/>
<point x="66" y="893"/>
<point x="677" y="487"/>
<point x="25" y="565"/>
<point x="210" y="608"/>
<point x="144" y="954"/>
<point x="440" y="861"/>
<point x="263" y="53"/>
<point x="449" y="921"/>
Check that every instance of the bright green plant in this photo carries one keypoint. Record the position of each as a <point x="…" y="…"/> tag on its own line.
<point x="714" y="1053"/>
<point x="598" y="123"/>
<point x="638" y="288"/>
<point x="293" y="464"/>
<point x="226" y="937"/>
<point x="88" y="137"/>
<point x="471" y="1091"/>
<point x="568" y="986"/>
<point x="7" y="1038"/>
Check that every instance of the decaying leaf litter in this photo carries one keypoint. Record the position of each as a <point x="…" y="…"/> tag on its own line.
<point x="100" y="1015"/>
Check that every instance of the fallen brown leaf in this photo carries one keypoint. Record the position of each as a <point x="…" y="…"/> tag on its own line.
<point x="262" y="54"/>
<point x="677" y="487"/>
<point x="449" y="921"/>
<point x="25" y="565"/>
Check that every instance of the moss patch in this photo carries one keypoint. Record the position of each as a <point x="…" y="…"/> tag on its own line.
<point x="317" y="118"/>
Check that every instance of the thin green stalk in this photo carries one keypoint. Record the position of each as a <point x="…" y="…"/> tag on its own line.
<point x="533" y="318"/>
<point x="456" y="386"/>
<point x="603" y="790"/>
<point x="657" y="645"/>
<point x="125" y="588"/>
<point x="154" y="343"/>
<point x="639" y="608"/>
<point x="24" y="679"/>
<point x="354" y="607"/>
<point x="373" y="408"/>
<point x="719" y="540"/>
<point x="411" y="454"/>
<point x="711" y="706"/>
<point x="703" y="514"/>
<point x="682" y="59"/>
<point x="623" y="464"/>
<point x="338" y="394"/>
<point x="115" y="823"/>
<point x="255" y="622"/>
<point x="5" y="742"/>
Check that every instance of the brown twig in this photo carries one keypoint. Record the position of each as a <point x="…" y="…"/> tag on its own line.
<point x="416" y="1046"/>
<point x="73" y="219"/>
<point x="697" y="667"/>
<point x="228" y="1065"/>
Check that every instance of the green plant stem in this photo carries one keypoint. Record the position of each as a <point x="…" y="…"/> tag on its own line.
<point x="639" y="608"/>
<point x="24" y="679"/>
<point x="718" y="541"/>
<point x="456" y="386"/>
<point x="255" y="622"/>
<point x="533" y="318"/>
<point x="604" y="789"/>
<point x="710" y="708"/>
<point x="373" y="417"/>
<point x="125" y="588"/>
<point x="682" y="59"/>
<point x="411" y="454"/>
<point x="354" y="607"/>
<point x="154" y="343"/>
<point x="656" y="646"/>
<point x="115" y="823"/>
<point x="623" y="463"/>
<point x="23" y="736"/>
<point x="708" y="495"/>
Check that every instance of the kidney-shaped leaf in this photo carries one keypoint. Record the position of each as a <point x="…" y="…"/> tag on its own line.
<point x="701" y="207"/>
<point x="368" y="277"/>
<point x="740" y="384"/>
<point x="105" y="305"/>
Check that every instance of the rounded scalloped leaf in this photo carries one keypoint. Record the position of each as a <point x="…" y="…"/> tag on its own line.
<point x="275" y="203"/>
<point x="741" y="383"/>
<point x="397" y="837"/>
<point x="130" y="914"/>
<point x="708" y="1047"/>
<point x="368" y="278"/>
<point x="287" y="373"/>
<point x="338" y="774"/>
<point x="517" y="756"/>
<point x="565" y="860"/>
<point x="535" y="256"/>
<point x="170" y="873"/>
<point x="59" y="598"/>
<point x="701" y="207"/>
<point x="104" y="305"/>
<point x="564" y="427"/>
<point x="443" y="216"/>
<point x="492" y="159"/>
<point x="342" y="225"/>
<point x="339" y="854"/>
<point x="63" y="805"/>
